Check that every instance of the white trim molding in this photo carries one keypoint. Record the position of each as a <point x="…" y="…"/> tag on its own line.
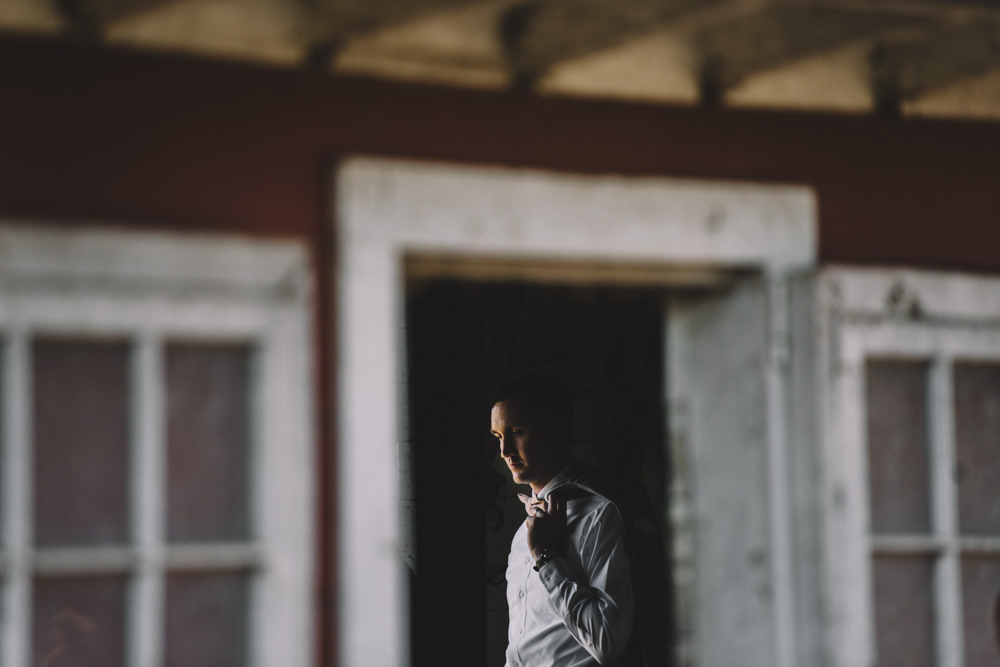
<point x="390" y="210"/>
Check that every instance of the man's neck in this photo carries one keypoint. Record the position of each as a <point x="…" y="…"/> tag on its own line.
<point x="538" y="487"/>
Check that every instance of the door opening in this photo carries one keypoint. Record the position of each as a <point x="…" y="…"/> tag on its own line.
<point x="460" y="509"/>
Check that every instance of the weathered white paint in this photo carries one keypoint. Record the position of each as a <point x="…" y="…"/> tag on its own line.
<point x="149" y="289"/>
<point x="147" y="481"/>
<point x="887" y="313"/>
<point x="18" y="501"/>
<point x="196" y="557"/>
<point x="388" y="209"/>
<point x="720" y="376"/>
<point x="805" y="504"/>
<point x="940" y="296"/>
<point x="777" y="340"/>
<point x="944" y="513"/>
<point x="681" y="500"/>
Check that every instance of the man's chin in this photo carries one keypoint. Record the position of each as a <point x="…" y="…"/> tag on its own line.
<point x="519" y="477"/>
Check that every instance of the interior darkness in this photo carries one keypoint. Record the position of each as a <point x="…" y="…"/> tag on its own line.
<point x="463" y="341"/>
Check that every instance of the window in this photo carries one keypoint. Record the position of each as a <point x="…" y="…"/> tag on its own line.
<point x="155" y="450"/>
<point x="913" y="456"/>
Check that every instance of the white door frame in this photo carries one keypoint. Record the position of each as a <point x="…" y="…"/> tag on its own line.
<point x="387" y="210"/>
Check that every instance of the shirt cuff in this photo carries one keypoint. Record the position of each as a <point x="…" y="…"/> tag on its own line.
<point x="554" y="573"/>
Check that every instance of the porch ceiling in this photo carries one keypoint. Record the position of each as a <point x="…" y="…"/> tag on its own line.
<point x="894" y="57"/>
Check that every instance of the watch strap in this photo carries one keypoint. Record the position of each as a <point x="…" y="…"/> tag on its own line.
<point x="544" y="556"/>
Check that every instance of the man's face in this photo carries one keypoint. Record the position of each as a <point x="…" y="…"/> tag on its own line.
<point x="525" y="448"/>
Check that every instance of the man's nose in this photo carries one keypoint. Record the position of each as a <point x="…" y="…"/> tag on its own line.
<point x="504" y="450"/>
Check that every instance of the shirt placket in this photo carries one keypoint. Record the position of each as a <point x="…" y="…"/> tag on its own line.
<point x="522" y="598"/>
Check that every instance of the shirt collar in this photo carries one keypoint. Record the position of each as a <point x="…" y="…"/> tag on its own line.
<point x="561" y="477"/>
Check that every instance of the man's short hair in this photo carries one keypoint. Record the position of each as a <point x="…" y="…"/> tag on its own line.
<point x="543" y="397"/>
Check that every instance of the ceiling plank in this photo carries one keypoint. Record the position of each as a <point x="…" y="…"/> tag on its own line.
<point x="907" y="70"/>
<point x="732" y="52"/>
<point x="536" y="36"/>
<point x="336" y="21"/>
<point x="262" y="31"/>
<point x="457" y="47"/>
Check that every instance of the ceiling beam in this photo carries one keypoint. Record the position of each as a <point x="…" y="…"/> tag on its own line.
<point x="731" y="52"/>
<point x="89" y="16"/>
<point x="906" y="70"/>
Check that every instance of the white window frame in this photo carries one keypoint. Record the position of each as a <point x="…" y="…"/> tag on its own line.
<point x="388" y="211"/>
<point x="152" y="288"/>
<point x="909" y="315"/>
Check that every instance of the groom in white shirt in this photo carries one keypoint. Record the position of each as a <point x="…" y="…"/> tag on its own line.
<point x="569" y="589"/>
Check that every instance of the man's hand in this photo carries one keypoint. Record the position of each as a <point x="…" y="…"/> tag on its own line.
<point x="546" y="524"/>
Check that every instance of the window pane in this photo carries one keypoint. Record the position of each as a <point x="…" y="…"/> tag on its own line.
<point x="977" y="447"/>
<point x="904" y="611"/>
<point x="79" y="622"/>
<point x="980" y="582"/>
<point x="81" y="425"/>
<point x="207" y="433"/>
<point x="206" y="620"/>
<point x="897" y="446"/>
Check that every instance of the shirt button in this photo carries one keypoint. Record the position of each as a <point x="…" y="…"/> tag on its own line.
<point x="520" y="631"/>
<point x="527" y="559"/>
<point x="514" y="664"/>
<point x="520" y="594"/>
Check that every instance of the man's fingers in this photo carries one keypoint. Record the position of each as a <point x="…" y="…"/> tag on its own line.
<point x="531" y="504"/>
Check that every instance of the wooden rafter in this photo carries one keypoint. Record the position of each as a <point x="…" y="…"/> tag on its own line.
<point x="92" y="14"/>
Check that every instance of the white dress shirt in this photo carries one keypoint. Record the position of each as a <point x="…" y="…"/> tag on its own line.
<point x="577" y="610"/>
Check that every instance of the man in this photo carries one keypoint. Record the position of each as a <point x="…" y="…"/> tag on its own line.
<point x="568" y="583"/>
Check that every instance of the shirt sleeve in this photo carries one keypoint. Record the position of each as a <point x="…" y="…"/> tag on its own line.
<point x="595" y="599"/>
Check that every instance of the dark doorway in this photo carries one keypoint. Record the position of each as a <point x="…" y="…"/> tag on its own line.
<point x="464" y="339"/>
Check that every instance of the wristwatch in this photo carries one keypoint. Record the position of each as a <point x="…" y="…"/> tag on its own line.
<point x="544" y="556"/>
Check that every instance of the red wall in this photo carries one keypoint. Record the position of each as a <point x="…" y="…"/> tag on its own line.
<point x="121" y="138"/>
<point x="126" y="137"/>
